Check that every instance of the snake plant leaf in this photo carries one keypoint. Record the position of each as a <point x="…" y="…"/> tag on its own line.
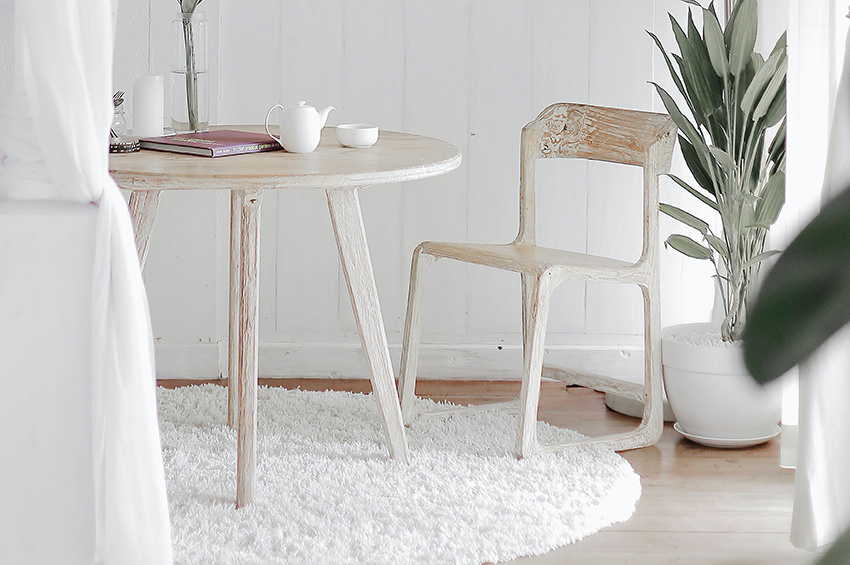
<point x="675" y="75"/>
<point x="701" y="197"/>
<point x="715" y="44"/>
<point x="772" y="199"/>
<point x="687" y="246"/>
<point x="685" y="217"/>
<point x="761" y="257"/>
<point x="805" y="297"/>
<point x="696" y="166"/>
<point x="742" y="38"/>
<point x="692" y="2"/>
<point x="718" y="245"/>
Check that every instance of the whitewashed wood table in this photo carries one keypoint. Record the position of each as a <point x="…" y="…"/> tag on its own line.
<point x="340" y="172"/>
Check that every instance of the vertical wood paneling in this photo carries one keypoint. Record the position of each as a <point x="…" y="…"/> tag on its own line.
<point x="617" y="77"/>
<point x="561" y="55"/>
<point x="180" y="273"/>
<point x="500" y="98"/>
<point x="436" y="86"/>
<point x="307" y="277"/>
<point x="7" y="48"/>
<point x="472" y="72"/>
<point x="373" y="74"/>
<point x="251" y="64"/>
<point x="131" y="49"/>
<point x="182" y="269"/>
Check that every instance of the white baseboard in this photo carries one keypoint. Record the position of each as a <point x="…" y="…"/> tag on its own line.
<point x="437" y="361"/>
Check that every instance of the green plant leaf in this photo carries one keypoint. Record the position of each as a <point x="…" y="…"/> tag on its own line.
<point x="772" y="199"/>
<point x="723" y="159"/>
<point x="761" y="257"/>
<point x="776" y="83"/>
<point x="805" y="297"/>
<point x="675" y="76"/>
<point x="760" y="81"/>
<point x="695" y="94"/>
<point x="743" y="35"/>
<point x="696" y="166"/>
<point x="702" y="198"/>
<point x="839" y="553"/>
<point x="715" y="44"/>
<point x="718" y="245"/>
<point x="778" y="108"/>
<point x="707" y="86"/>
<point x="685" y="217"/>
<point x="684" y="125"/>
<point x="777" y="146"/>
<point x="687" y="246"/>
<point x="692" y="2"/>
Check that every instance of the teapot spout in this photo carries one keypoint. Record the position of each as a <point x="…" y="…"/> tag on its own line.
<point x="323" y="114"/>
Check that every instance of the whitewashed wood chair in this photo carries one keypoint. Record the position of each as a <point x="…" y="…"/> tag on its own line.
<point x="567" y="131"/>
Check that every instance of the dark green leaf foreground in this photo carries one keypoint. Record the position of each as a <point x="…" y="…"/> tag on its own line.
<point x="805" y="297"/>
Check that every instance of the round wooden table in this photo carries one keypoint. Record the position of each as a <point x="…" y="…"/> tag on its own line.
<point x="335" y="169"/>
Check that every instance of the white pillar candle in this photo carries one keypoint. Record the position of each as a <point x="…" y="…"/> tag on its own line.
<point x="147" y="106"/>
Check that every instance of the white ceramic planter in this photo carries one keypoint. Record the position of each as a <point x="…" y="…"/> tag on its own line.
<point x="712" y="395"/>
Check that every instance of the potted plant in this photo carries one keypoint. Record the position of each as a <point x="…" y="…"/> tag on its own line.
<point x="733" y="100"/>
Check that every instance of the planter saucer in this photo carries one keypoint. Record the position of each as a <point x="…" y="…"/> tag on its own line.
<point x="725" y="442"/>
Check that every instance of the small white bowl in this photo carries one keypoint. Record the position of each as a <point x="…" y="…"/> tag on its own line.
<point x="357" y="136"/>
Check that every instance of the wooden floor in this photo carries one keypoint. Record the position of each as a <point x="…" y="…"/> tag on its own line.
<point x="699" y="505"/>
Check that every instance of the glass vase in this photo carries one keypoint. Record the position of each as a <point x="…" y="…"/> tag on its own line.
<point x="190" y="76"/>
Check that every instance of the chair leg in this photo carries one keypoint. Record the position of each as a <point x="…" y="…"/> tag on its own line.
<point x="527" y="286"/>
<point x="652" y="422"/>
<point x="653" y="402"/>
<point x="538" y="312"/>
<point x="412" y="326"/>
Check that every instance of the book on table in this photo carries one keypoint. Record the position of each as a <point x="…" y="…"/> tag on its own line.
<point x="213" y="143"/>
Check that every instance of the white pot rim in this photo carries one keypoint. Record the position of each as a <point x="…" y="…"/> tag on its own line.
<point x="707" y="357"/>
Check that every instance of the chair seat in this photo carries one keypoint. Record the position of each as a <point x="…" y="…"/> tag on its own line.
<point x="532" y="259"/>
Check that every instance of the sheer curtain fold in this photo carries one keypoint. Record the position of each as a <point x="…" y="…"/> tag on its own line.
<point x="56" y="148"/>
<point x="822" y="482"/>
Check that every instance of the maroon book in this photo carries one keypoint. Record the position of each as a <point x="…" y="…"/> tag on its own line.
<point x="216" y="143"/>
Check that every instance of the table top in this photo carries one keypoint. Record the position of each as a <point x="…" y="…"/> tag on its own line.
<point x="395" y="157"/>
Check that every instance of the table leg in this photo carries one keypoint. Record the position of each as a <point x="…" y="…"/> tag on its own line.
<point x="237" y="197"/>
<point x="143" y="207"/>
<point x="246" y="374"/>
<point x="347" y="220"/>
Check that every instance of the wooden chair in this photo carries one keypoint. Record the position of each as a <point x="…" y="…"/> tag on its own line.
<point x="567" y="131"/>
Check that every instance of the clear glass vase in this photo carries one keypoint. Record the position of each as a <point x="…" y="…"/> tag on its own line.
<point x="190" y="76"/>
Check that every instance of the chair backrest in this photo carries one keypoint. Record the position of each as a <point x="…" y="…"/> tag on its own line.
<point x="615" y="135"/>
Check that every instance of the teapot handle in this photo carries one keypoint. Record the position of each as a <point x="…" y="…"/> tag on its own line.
<point x="269" y="115"/>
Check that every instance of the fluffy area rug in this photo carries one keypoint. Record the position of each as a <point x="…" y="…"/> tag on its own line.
<point x="328" y="492"/>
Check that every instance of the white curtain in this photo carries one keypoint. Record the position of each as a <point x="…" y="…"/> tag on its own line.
<point x="822" y="487"/>
<point x="54" y="135"/>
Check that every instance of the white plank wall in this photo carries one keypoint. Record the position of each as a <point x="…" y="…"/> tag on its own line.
<point x="472" y="72"/>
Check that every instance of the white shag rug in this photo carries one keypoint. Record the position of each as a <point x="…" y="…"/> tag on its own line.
<point x="328" y="493"/>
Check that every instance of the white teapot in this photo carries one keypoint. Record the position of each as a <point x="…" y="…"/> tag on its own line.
<point x="300" y="126"/>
